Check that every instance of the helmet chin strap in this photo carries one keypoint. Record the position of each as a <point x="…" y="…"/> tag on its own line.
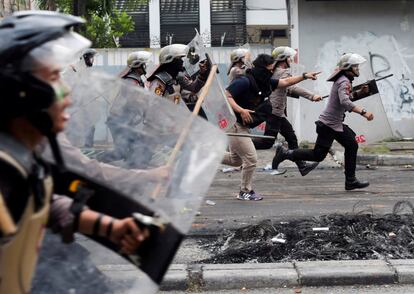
<point x="350" y="74"/>
<point x="355" y="73"/>
<point x="283" y="62"/>
<point x="57" y="153"/>
<point x="43" y="122"/>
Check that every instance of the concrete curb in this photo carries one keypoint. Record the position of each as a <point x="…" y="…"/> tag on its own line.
<point x="379" y="159"/>
<point x="214" y="277"/>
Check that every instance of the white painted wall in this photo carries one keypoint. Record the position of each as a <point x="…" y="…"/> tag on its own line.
<point x="154" y="24"/>
<point x="266" y="12"/>
<point x="205" y="21"/>
<point x="266" y="4"/>
<point x="266" y="17"/>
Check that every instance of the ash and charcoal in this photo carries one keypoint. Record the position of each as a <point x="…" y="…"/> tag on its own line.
<point x="355" y="236"/>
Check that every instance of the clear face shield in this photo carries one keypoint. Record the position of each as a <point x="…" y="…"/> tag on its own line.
<point x="355" y="70"/>
<point x="48" y="60"/>
<point x="57" y="53"/>
<point x="352" y="62"/>
<point x="288" y="56"/>
<point x="89" y="59"/>
<point x="247" y="60"/>
<point x="357" y="62"/>
<point x="150" y="65"/>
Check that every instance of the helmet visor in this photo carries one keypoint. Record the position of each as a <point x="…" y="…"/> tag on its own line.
<point x="355" y="59"/>
<point x="290" y="53"/>
<point x="60" y="52"/>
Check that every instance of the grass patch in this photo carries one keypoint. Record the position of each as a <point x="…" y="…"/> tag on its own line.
<point x="375" y="149"/>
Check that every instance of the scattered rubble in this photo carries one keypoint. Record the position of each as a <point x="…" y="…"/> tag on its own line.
<point x="352" y="236"/>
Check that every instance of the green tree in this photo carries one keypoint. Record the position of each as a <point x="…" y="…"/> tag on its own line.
<point x="105" y="31"/>
<point x="105" y="24"/>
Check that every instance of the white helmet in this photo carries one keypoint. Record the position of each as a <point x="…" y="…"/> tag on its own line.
<point x="283" y="52"/>
<point x="238" y="54"/>
<point x="349" y="59"/>
<point x="138" y="58"/>
<point x="168" y="53"/>
<point x="345" y="62"/>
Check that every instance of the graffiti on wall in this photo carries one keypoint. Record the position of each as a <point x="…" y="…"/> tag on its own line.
<point x="401" y="88"/>
<point x="384" y="56"/>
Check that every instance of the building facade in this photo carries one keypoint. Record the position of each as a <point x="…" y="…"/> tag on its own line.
<point x="383" y="33"/>
<point x="220" y="22"/>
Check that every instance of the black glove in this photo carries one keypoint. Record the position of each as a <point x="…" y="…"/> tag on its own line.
<point x="205" y="67"/>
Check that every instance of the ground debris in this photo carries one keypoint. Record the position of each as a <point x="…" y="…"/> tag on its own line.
<point x="350" y="237"/>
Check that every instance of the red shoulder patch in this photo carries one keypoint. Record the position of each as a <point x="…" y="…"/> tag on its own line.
<point x="348" y="88"/>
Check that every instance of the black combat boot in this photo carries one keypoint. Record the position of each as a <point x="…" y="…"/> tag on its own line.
<point x="282" y="154"/>
<point x="306" y="167"/>
<point x="353" y="183"/>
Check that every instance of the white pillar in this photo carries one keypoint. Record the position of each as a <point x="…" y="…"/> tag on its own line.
<point x="205" y="21"/>
<point x="294" y="43"/>
<point x="154" y="23"/>
<point x="294" y="25"/>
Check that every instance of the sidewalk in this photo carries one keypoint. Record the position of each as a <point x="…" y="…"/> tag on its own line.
<point x="383" y="154"/>
<point x="215" y="277"/>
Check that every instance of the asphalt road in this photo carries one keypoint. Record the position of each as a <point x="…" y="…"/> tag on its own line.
<point x="292" y="196"/>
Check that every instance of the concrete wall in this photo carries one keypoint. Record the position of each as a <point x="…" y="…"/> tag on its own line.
<point x="266" y="12"/>
<point x="383" y="32"/>
<point x="266" y="15"/>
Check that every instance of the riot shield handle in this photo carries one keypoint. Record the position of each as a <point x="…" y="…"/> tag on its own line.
<point x="146" y="220"/>
<point x="7" y="225"/>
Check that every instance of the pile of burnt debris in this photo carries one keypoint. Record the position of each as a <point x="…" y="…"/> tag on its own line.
<point x="361" y="235"/>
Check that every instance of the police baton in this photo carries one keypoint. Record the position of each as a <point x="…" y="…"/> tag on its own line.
<point x="376" y="80"/>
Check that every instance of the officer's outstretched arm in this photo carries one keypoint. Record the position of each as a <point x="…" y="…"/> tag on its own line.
<point x="283" y="83"/>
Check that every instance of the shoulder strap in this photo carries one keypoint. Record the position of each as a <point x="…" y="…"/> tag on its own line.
<point x="167" y="80"/>
<point x="253" y="85"/>
<point x="14" y="163"/>
<point x="165" y="77"/>
<point x="135" y="78"/>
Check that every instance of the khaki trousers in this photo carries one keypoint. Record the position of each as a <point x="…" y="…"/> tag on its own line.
<point x="242" y="152"/>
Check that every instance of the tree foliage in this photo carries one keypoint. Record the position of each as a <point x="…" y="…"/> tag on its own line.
<point x="104" y="31"/>
<point x="105" y="24"/>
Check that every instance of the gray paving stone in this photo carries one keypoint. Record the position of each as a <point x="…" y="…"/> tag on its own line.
<point x="404" y="269"/>
<point x="322" y="273"/>
<point x="250" y="276"/>
<point x="176" y="278"/>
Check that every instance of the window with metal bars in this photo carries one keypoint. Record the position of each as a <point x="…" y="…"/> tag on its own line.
<point x="228" y="22"/>
<point x="179" y="19"/>
<point x="140" y="15"/>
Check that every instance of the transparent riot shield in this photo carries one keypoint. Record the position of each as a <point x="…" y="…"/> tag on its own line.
<point x="195" y="55"/>
<point x="215" y="105"/>
<point x="92" y="107"/>
<point x="130" y="170"/>
<point x="369" y="132"/>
